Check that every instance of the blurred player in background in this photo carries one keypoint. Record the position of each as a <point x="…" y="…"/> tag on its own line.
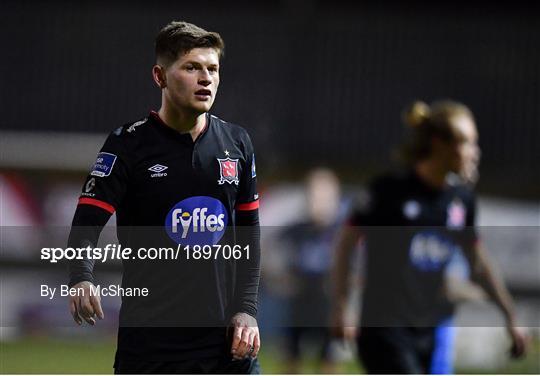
<point x="309" y="245"/>
<point x="191" y="176"/>
<point x="413" y="222"/>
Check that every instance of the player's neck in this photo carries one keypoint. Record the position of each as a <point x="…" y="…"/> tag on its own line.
<point x="431" y="173"/>
<point x="182" y="122"/>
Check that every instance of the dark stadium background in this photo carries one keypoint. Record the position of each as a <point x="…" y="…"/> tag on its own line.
<point x="314" y="82"/>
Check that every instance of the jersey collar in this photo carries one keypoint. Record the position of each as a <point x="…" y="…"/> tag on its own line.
<point x="186" y="137"/>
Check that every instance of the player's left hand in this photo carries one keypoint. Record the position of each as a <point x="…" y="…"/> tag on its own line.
<point x="246" y="340"/>
<point x="520" y="342"/>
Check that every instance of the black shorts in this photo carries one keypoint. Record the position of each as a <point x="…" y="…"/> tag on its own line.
<point x="396" y="350"/>
<point x="223" y="365"/>
<point x="318" y="335"/>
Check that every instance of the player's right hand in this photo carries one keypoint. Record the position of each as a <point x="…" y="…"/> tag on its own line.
<point x="85" y="306"/>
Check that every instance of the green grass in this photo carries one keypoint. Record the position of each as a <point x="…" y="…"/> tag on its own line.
<point x="41" y="355"/>
<point x="45" y="356"/>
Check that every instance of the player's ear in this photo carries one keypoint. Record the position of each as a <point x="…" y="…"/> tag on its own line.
<point x="158" y="73"/>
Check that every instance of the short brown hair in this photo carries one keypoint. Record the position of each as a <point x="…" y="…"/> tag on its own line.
<point x="428" y="121"/>
<point x="179" y="37"/>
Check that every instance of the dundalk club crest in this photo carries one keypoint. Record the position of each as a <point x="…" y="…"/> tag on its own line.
<point x="228" y="171"/>
<point x="456" y="215"/>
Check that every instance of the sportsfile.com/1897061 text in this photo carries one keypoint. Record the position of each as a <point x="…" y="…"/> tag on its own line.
<point x="117" y="252"/>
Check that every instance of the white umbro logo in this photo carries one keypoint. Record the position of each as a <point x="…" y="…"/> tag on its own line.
<point x="90" y="185"/>
<point x="158" y="171"/>
<point x="158" y="168"/>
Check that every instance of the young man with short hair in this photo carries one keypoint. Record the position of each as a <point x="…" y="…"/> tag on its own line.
<point x="179" y="177"/>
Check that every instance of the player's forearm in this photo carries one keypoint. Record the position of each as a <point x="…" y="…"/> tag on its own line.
<point x="248" y="268"/>
<point x="87" y="224"/>
<point x="484" y="274"/>
<point x="248" y="287"/>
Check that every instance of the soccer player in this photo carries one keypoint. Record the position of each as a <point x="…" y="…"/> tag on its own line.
<point x="180" y="176"/>
<point x="412" y="222"/>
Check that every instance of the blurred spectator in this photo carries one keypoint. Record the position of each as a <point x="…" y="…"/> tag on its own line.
<point x="309" y="243"/>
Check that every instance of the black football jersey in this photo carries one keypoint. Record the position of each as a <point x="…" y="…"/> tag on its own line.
<point x="169" y="191"/>
<point x="145" y="168"/>
<point x="412" y="231"/>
